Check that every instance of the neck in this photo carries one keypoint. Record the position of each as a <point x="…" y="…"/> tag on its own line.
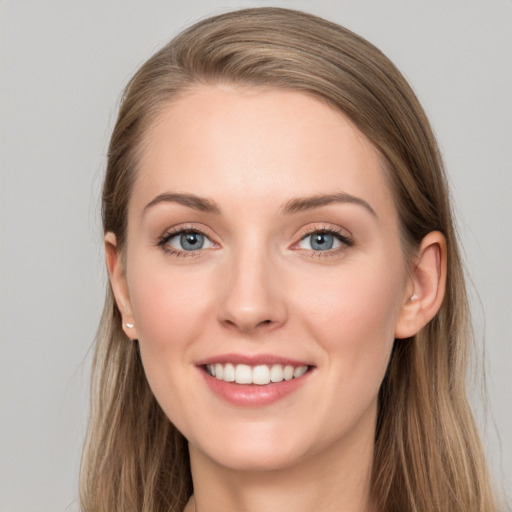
<point x="336" y="479"/>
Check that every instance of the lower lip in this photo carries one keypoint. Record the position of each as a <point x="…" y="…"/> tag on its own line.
<point x="253" y="395"/>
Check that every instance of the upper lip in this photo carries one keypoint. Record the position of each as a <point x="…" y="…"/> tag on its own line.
<point x="252" y="360"/>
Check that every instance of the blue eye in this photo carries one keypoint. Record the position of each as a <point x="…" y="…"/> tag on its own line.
<point x="186" y="241"/>
<point x="191" y="241"/>
<point x="322" y="241"/>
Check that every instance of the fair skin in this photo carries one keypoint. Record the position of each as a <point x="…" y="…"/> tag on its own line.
<point x="291" y="256"/>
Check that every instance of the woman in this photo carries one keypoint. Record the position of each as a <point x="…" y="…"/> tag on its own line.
<point x="287" y="324"/>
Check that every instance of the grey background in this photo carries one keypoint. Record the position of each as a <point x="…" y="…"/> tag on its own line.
<point x="63" y="66"/>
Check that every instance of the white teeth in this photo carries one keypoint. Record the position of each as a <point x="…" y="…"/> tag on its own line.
<point x="299" y="372"/>
<point x="229" y="373"/>
<point x="243" y="374"/>
<point x="276" y="373"/>
<point x="288" y="372"/>
<point x="260" y="374"/>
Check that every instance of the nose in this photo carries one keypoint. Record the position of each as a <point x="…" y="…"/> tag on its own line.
<point x="253" y="299"/>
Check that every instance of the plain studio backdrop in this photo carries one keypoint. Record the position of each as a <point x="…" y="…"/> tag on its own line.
<point x="63" y="67"/>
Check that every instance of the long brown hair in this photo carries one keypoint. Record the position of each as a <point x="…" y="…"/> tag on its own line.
<point x="428" y="455"/>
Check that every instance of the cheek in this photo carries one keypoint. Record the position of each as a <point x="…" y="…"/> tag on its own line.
<point x="352" y="316"/>
<point x="170" y="313"/>
<point x="167" y="305"/>
<point x="170" y="310"/>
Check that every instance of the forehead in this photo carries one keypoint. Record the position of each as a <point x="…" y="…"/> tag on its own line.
<point x="229" y="142"/>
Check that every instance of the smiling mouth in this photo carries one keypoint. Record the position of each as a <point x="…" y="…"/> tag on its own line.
<point x="260" y="375"/>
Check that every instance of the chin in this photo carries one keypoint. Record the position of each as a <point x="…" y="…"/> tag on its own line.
<point x="252" y="457"/>
<point x="259" y="448"/>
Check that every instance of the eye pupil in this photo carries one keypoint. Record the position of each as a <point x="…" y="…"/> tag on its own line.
<point x="191" y="241"/>
<point x="322" y="241"/>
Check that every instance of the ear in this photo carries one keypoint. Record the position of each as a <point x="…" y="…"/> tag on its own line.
<point x="117" y="276"/>
<point x="426" y="287"/>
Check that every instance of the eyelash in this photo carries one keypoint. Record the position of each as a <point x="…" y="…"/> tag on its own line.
<point x="163" y="242"/>
<point x="346" y="241"/>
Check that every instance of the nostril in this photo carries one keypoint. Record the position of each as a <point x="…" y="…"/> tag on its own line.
<point x="251" y="327"/>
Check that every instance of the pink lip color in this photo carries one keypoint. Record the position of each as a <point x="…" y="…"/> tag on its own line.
<point x="252" y="360"/>
<point x="252" y="395"/>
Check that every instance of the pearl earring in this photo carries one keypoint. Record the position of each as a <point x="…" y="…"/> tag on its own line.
<point x="413" y="297"/>
<point x="129" y="325"/>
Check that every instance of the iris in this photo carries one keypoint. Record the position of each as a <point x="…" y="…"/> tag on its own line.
<point x="321" y="241"/>
<point x="191" y="241"/>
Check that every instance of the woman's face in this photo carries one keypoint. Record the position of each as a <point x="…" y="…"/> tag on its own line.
<point x="263" y="242"/>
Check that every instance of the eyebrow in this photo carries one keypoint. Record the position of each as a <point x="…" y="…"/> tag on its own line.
<point x="301" y="204"/>
<point x="295" y="205"/>
<point x="191" y="201"/>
